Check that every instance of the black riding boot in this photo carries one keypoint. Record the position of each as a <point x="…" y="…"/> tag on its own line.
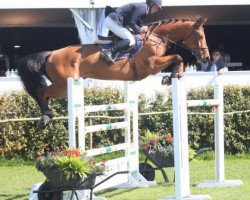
<point x="111" y="54"/>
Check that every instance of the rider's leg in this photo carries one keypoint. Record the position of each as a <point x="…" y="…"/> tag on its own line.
<point x="123" y="33"/>
<point x="120" y="46"/>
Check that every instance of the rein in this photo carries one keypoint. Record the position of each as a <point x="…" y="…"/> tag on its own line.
<point x="148" y="33"/>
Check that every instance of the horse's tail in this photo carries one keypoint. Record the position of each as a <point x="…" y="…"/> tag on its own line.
<point x="31" y="70"/>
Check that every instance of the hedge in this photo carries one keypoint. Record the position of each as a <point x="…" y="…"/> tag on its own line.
<point x="21" y="139"/>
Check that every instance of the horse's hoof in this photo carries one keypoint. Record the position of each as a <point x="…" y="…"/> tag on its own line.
<point x="166" y="80"/>
<point x="179" y="59"/>
<point x="44" y="121"/>
<point x="76" y="78"/>
<point x="179" y="76"/>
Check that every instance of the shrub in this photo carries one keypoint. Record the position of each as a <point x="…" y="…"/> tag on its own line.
<point x="20" y="138"/>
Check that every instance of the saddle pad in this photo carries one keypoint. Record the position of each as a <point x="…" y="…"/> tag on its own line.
<point x="129" y="53"/>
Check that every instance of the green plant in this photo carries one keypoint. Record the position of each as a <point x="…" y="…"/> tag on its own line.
<point x="71" y="162"/>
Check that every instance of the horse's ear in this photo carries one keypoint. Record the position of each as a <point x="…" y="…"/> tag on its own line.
<point x="198" y="18"/>
<point x="200" y="21"/>
<point x="203" y="21"/>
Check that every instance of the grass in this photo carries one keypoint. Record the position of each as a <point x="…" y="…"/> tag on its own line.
<point x="16" y="181"/>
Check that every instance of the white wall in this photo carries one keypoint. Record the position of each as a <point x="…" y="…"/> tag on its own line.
<point x="151" y="84"/>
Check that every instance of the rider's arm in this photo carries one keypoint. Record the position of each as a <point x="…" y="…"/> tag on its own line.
<point x="138" y="14"/>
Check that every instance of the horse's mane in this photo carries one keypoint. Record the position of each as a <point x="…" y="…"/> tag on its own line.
<point x="167" y="21"/>
<point x="196" y="23"/>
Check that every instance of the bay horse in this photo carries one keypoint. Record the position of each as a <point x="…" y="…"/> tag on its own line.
<point x="85" y="61"/>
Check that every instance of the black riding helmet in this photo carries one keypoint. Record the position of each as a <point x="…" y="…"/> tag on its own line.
<point x="156" y="2"/>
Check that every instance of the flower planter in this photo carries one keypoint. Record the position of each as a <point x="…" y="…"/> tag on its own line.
<point x="159" y="159"/>
<point x="59" y="180"/>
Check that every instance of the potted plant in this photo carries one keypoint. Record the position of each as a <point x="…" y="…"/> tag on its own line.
<point x="158" y="147"/>
<point x="69" y="168"/>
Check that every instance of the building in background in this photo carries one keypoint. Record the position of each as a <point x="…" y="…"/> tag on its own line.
<point x="37" y="25"/>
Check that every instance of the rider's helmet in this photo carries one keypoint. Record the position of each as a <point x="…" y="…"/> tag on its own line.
<point x="156" y="2"/>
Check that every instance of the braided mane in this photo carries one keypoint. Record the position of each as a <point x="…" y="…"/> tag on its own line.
<point x="167" y="21"/>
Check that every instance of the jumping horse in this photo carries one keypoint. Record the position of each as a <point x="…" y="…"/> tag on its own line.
<point x="85" y="61"/>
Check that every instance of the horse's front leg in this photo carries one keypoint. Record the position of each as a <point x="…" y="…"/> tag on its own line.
<point x="177" y="71"/>
<point x="161" y="63"/>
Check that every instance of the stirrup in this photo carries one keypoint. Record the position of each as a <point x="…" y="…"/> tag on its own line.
<point x="107" y="58"/>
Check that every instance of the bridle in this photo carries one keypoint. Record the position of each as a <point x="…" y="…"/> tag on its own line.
<point x="166" y="41"/>
<point x="195" y="51"/>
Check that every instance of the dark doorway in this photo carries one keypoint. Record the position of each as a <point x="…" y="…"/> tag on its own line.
<point x="234" y="38"/>
<point x="36" y="39"/>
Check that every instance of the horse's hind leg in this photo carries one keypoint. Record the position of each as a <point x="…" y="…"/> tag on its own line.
<point x="47" y="113"/>
<point x="44" y="94"/>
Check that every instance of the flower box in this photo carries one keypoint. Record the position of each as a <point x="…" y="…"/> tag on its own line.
<point x="159" y="148"/>
<point x="69" y="168"/>
<point x="159" y="159"/>
<point x="59" y="180"/>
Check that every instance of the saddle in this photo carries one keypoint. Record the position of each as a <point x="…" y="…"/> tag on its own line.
<point x="106" y="42"/>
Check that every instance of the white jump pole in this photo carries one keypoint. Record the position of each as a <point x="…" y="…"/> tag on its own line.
<point x="182" y="179"/>
<point x="219" y="134"/>
<point x="181" y="159"/>
<point x="219" y="143"/>
<point x="129" y="162"/>
<point x="75" y="108"/>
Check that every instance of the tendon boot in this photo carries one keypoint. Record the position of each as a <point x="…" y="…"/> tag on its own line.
<point x="111" y="54"/>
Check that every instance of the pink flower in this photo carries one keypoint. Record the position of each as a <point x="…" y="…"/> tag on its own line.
<point x="154" y="141"/>
<point x="76" y="152"/>
<point x="169" y="138"/>
<point x="103" y="163"/>
<point x="66" y="152"/>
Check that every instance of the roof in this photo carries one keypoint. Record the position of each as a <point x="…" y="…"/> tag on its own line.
<point x="55" y="13"/>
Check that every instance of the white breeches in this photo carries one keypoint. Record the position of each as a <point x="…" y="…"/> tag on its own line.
<point x="119" y="30"/>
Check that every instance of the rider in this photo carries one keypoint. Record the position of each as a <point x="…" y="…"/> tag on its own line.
<point x="128" y="16"/>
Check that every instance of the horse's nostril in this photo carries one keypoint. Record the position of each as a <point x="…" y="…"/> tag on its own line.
<point x="207" y="58"/>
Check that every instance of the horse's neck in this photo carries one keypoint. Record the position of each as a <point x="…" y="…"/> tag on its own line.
<point x="174" y="31"/>
<point x="154" y="45"/>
